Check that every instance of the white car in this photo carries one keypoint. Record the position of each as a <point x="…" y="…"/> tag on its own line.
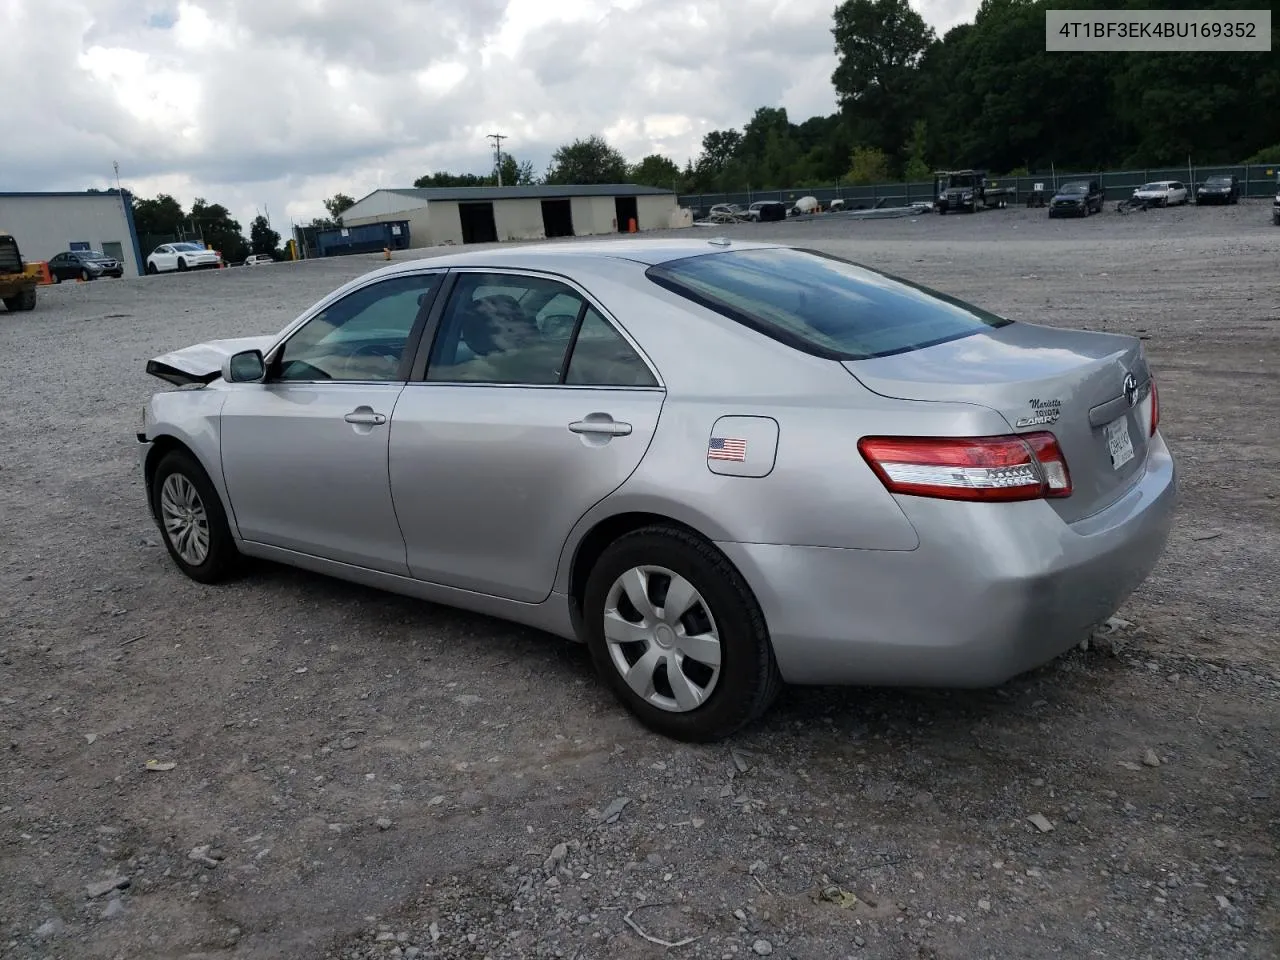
<point x="258" y="260"/>
<point x="1165" y="193"/>
<point x="181" y="256"/>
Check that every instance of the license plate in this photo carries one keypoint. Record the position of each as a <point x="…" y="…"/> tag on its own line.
<point x="1119" y="443"/>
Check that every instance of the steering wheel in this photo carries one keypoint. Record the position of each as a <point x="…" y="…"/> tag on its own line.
<point x="380" y="350"/>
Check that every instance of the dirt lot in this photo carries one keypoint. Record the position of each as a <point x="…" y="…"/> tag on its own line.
<point x="356" y="775"/>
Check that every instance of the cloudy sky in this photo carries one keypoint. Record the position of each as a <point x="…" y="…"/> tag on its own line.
<point x="278" y="104"/>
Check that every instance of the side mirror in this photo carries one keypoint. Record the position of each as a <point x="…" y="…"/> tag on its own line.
<point x="247" y="366"/>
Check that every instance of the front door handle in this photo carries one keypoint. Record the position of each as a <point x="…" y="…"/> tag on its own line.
<point x="603" y="426"/>
<point x="364" y="415"/>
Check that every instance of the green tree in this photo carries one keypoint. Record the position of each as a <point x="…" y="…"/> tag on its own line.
<point x="655" y="170"/>
<point x="917" y="167"/>
<point x="337" y="205"/>
<point x="263" y="239"/>
<point x="879" y="45"/>
<point x="516" y="174"/>
<point x="214" y="224"/>
<point x="589" y="160"/>
<point x="159" y="216"/>
<point x="868" y="165"/>
<point x="442" y="178"/>
<point x="719" y="149"/>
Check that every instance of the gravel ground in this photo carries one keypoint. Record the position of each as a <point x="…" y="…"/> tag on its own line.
<point x="345" y="774"/>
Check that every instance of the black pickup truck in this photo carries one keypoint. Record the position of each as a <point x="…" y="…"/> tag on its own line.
<point x="1077" y="198"/>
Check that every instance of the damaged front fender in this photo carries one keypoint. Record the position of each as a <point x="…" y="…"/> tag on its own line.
<point x="202" y="363"/>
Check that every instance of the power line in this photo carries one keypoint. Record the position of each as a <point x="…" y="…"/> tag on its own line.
<point x="497" y="139"/>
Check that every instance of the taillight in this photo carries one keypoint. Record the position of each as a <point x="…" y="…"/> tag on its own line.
<point x="1155" y="406"/>
<point x="1020" y="467"/>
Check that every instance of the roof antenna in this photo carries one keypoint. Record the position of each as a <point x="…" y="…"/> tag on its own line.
<point x="719" y="241"/>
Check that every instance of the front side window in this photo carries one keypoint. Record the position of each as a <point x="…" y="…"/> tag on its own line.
<point x="822" y="304"/>
<point x="362" y="336"/>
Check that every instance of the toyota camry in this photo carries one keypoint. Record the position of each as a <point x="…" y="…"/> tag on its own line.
<point x="722" y="465"/>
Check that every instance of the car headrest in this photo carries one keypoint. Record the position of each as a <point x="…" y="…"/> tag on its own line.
<point x="481" y="314"/>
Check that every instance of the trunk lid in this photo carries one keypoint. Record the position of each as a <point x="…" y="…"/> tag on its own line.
<point x="1068" y="382"/>
<point x="202" y="363"/>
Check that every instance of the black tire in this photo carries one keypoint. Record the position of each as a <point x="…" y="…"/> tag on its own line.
<point x="151" y="268"/>
<point x="86" y="276"/>
<point x="222" y="557"/>
<point x="182" y="264"/>
<point x="749" y="681"/>
<point x="27" y="299"/>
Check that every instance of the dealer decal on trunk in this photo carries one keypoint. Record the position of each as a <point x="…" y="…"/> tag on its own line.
<point x="1046" y="411"/>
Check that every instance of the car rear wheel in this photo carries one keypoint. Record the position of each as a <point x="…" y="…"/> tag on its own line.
<point x="191" y="519"/>
<point x="676" y="633"/>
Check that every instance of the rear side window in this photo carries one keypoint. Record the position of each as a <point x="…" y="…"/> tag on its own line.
<point x="822" y="304"/>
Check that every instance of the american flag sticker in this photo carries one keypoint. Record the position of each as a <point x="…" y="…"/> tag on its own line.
<point x="727" y="448"/>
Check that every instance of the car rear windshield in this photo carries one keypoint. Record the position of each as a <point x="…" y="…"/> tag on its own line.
<point x="822" y="304"/>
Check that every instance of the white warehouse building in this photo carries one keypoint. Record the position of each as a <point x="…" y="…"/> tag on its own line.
<point x="442" y="215"/>
<point x="46" y="224"/>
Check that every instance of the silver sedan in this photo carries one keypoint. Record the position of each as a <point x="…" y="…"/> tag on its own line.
<point x="721" y="465"/>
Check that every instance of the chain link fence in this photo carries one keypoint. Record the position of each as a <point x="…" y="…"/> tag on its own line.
<point x="1256" y="180"/>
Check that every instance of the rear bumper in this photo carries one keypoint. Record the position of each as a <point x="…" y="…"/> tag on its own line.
<point x="990" y="593"/>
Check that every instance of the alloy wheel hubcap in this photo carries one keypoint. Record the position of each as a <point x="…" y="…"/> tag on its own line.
<point x="186" y="523"/>
<point x="662" y="638"/>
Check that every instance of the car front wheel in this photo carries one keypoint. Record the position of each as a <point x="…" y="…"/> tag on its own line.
<point x="676" y="633"/>
<point x="191" y="519"/>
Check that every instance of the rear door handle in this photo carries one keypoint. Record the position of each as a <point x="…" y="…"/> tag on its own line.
<point x="365" y="415"/>
<point x="601" y="427"/>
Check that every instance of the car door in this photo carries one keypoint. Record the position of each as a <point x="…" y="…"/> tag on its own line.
<point x="57" y="266"/>
<point x="533" y="407"/>
<point x="304" y="452"/>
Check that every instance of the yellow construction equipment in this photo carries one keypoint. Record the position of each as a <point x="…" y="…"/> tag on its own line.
<point x="18" y="281"/>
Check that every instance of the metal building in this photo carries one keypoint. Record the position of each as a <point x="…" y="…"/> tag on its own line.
<point x="46" y="224"/>
<point x="439" y="215"/>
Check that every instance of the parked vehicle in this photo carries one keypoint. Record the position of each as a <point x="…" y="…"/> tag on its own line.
<point x="258" y="260"/>
<point x="1162" y="193"/>
<point x="1223" y="188"/>
<point x="767" y="211"/>
<point x="535" y="433"/>
<point x="84" y="265"/>
<point x="182" y="256"/>
<point x="967" y="191"/>
<point x="1275" y="210"/>
<point x="1077" y="198"/>
<point x="18" y="282"/>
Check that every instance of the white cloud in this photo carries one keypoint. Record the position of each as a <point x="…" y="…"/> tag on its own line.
<point x="282" y="103"/>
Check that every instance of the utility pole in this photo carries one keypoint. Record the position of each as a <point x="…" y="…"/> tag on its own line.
<point x="497" y="139"/>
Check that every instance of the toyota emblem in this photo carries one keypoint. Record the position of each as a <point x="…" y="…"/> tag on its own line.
<point x="1130" y="389"/>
